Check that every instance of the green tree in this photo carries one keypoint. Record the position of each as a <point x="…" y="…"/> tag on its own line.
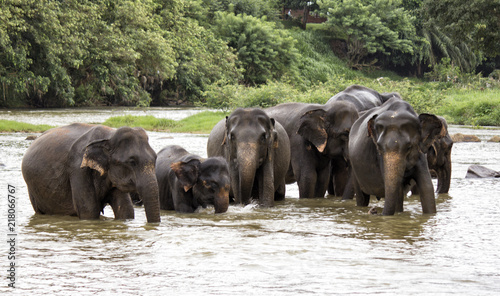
<point x="264" y="52"/>
<point x="380" y="26"/>
<point x="434" y="42"/>
<point x="127" y="45"/>
<point x="477" y="21"/>
<point x="36" y="45"/>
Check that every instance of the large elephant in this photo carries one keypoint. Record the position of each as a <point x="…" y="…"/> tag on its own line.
<point x="78" y="169"/>
<point x="362" y="98"/>
<point x="187" y="181"/>
<point x="439" y="158"/>
<point x="387" y="149"/>
<point x="318" y="134"/>
<point x="257" y="151"/>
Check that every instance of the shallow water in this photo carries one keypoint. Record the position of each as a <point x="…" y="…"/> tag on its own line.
<point x="308" y="247"/>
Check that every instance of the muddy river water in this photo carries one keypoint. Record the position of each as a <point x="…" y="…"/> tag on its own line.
<point x="307" y="247"/>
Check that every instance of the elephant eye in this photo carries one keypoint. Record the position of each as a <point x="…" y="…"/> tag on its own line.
<point x="263" y="137"/>
<point x="344" y="135"/>
<point x="132" y="162"/>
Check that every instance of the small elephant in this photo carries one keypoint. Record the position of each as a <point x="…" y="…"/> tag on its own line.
<point x="257" y="150"/>
<point x="439" y="158"/>
<point x="387" y="149"/>
<point x="78" y="169"/>
<point x="318" y="135"/>
<point x="362" y="98"/>
<point x="187" y="181"/>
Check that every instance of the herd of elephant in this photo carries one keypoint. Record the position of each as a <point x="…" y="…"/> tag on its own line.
<point x="360" y="143"/>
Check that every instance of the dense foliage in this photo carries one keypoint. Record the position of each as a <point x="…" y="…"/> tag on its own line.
<point x="381" y="26"/>
<point x="228" y="53"/>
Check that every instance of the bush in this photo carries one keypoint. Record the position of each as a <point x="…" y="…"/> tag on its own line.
<point x="264" y="52"/>
<point x="148" y="122"/>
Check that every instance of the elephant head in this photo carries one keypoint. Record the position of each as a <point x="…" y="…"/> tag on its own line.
<point x="401" y="139"/>
<point x="127" y="162"/>
<point x="249" y="140"/>
<point x="439" y="158"/>
<point x="328" y="128"/>
<point x="208" y="180"/>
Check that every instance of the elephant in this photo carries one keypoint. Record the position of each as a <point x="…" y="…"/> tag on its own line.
<point x="362" y="98"/>
<point x="439" y="158"/>
<point x="318" y="135"/>
<point x="387" y="148"/>
<point x="257" y="151"/>
<point x="187" y="181"/>
<point x="79" y="168"/>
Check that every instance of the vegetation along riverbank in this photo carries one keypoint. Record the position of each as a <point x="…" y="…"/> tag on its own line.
<point x="441" y="56"/>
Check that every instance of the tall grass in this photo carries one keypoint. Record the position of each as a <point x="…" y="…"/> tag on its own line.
<point x="147" y="122"/>
<point x="474" y="107"/>
<point x="202" y="122"/>
<point x="10" y="126"/>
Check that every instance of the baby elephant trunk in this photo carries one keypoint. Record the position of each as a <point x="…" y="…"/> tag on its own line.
<point x="221" y="202"/>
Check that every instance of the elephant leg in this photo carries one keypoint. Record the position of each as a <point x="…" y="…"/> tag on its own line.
<point x="84" y="196"/>
<point x="331" y="181"/>
<point x="306" y="185"/>
<point x="279" y="194"/>
<point x="349" y="188"/>
<point x="425" y="187"/>
<point x="166" y="200"/>
<point x="122" y="205"/>
<point x="341" y="178"/>
<point x="362" y="199"/>
<point x="323" y="176"/>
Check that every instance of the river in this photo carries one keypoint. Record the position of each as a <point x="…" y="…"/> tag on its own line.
<point x="307" y="247"/>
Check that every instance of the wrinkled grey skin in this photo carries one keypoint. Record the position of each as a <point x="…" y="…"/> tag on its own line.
<point x="439" y="158"/>
<point x="385" y="149"/>
<point x="187" y="181"/>
<point x="318" y="134"/>
<point x="257" y="151"/>
<point x="362" y="98"/>
<point x="78" y="169"/>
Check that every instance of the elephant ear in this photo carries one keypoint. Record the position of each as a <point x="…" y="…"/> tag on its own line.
<point x="371" y="128"/>
<point x="187" y="172"/>
<point x="431" y="128"/>
<point x="274" y="134"/>
<point x="96" y="156"/>
<point x="226" y="129"/>
<point x="312" y="128"/>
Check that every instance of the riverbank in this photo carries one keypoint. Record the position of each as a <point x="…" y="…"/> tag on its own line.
<point x="195" y="121"/>
<point x="10" y="126"/>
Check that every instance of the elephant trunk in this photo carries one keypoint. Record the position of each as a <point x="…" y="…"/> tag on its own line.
<point x="247" y="168"/>
<point x="394" y="168"/>
<point x="149" y="193"/>
<point x="221" y="202"/>
<point x="444" y="176"/>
